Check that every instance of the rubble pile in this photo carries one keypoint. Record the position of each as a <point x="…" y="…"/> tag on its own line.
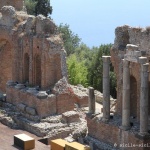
<point x="62" y="87"/>
<point x="79" y="91"/>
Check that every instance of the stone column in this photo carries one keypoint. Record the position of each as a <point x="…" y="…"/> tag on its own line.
<point x="106" y="88"/>
<point x="126" y="96"/>
<point x="144" y="99"/>
<point x="91" y="100"/>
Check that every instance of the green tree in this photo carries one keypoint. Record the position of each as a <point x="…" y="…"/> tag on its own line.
<point x="36" y="7"/>
<point x="30" y="6"/>
<point x="71" y="40"/>
<point x="43" y="7"/>
<point x="95" y="70"/>
<point x="77" y="71"/>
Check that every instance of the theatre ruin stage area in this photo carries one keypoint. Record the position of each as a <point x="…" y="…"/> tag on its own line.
<point x="35" y="94"/>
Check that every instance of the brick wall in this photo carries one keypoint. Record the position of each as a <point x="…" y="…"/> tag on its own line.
<point x="112" y="134"/>
<point x="64" y="103"/>
<point x="44" y="107"/>
<point x="18" y="4"/>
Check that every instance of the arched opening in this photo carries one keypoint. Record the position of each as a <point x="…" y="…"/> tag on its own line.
<point x="26" y="67"/>
<point x="133" y="96"/>
<point x="5" y="64"/>
<point x="38" y="70"/>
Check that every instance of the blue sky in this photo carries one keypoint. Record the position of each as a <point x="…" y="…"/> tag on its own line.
<point x="95" y="20"/>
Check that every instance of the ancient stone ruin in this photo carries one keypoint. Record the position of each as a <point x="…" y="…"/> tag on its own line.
<point x="35" y="93"/>
<point x="129" y="125"/>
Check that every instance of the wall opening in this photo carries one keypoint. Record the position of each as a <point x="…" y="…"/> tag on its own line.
<point x="26" y="67"/>
<point x="133" y="96"/>
<point x="6" y="64"/>
<point x="37" y="70"/>
<point x="149" y="100"/>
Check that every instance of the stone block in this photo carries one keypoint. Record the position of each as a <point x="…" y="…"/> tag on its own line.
<point x="10" y="83"/>
<point x="44" y="25"/>
<point x="32" y="90"/>
<point x="30" y="111"/>
<point x="21" y="107"/>
<point x="46" y="107"/>
<point x="142" y="60"/>
<point x="42" y="95"/>
<point x="64" y="103"/>
<point x="81" y="101"/>
<point x="70" y="116"/>
<point x="9" y="16"/>
<point x="24" y="141"/>
<point x="58" y="144"/>
<point x="20" y="86"/>
<point x="76" y="146"/>
<point x="132" y="47"/>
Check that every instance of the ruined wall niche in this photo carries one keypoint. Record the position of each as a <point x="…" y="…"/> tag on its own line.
<point x="26" y="67"/>
<point x="37" y="62"/>
<point x="133" y="96"/>
<point x="18" y="4"/>
<point x="6" y="63"/>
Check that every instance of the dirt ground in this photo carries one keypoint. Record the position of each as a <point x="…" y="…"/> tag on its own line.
<point x="7" y="140"/>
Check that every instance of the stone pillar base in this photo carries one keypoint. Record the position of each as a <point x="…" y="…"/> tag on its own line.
<point x="125" y="128"/>
<point x="105" y="120"/>
<point x="143" y="134"/>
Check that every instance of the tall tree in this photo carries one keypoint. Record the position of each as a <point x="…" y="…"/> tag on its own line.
<point x="43" y="7"/>
<point x="77" y="71"/>
<point x="30" y="6"/>
<point x="36" y="7"/>
<point x="71" y="40"/>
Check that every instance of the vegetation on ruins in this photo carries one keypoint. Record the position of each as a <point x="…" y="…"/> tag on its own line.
<point x="85" y="64"/>
<point x="36" y="7"/>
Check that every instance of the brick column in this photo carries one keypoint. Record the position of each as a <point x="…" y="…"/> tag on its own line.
<point x="106" y="88"/>
<point x="91" y="100"/>
<point x="144" y="99"/>
<point x="126" y="96"/>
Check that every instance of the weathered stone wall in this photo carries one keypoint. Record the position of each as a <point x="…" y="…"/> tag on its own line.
<point x="18" y="4"/>
<point x="64" y="103"/>
<point x="43" y="107"/>
<point x="129" y="35"/>
<point x="113" y="135"/>
<point x="31" y="50"/>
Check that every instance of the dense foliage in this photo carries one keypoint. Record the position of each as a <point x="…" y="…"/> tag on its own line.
<point x="36" y="7"/>
<point x="71" y="40"/>
<point x="85" y="64"/>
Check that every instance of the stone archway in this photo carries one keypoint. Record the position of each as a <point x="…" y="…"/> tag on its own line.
<point x="38" y="70"/>
<point x="5" y="64"/>
<point x="26" y="67"/>
<point x="133" y="96"/>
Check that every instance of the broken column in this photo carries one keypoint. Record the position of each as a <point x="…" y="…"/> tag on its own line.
<point x="144" y="99"/>
<point x="91" y="100"/>
<point x="106" y="88"/>
<point x="126" y="96"/>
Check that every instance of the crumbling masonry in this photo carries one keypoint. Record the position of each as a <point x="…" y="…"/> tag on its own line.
<point x="33" y="63"/>
<point x="129" y="125"/>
